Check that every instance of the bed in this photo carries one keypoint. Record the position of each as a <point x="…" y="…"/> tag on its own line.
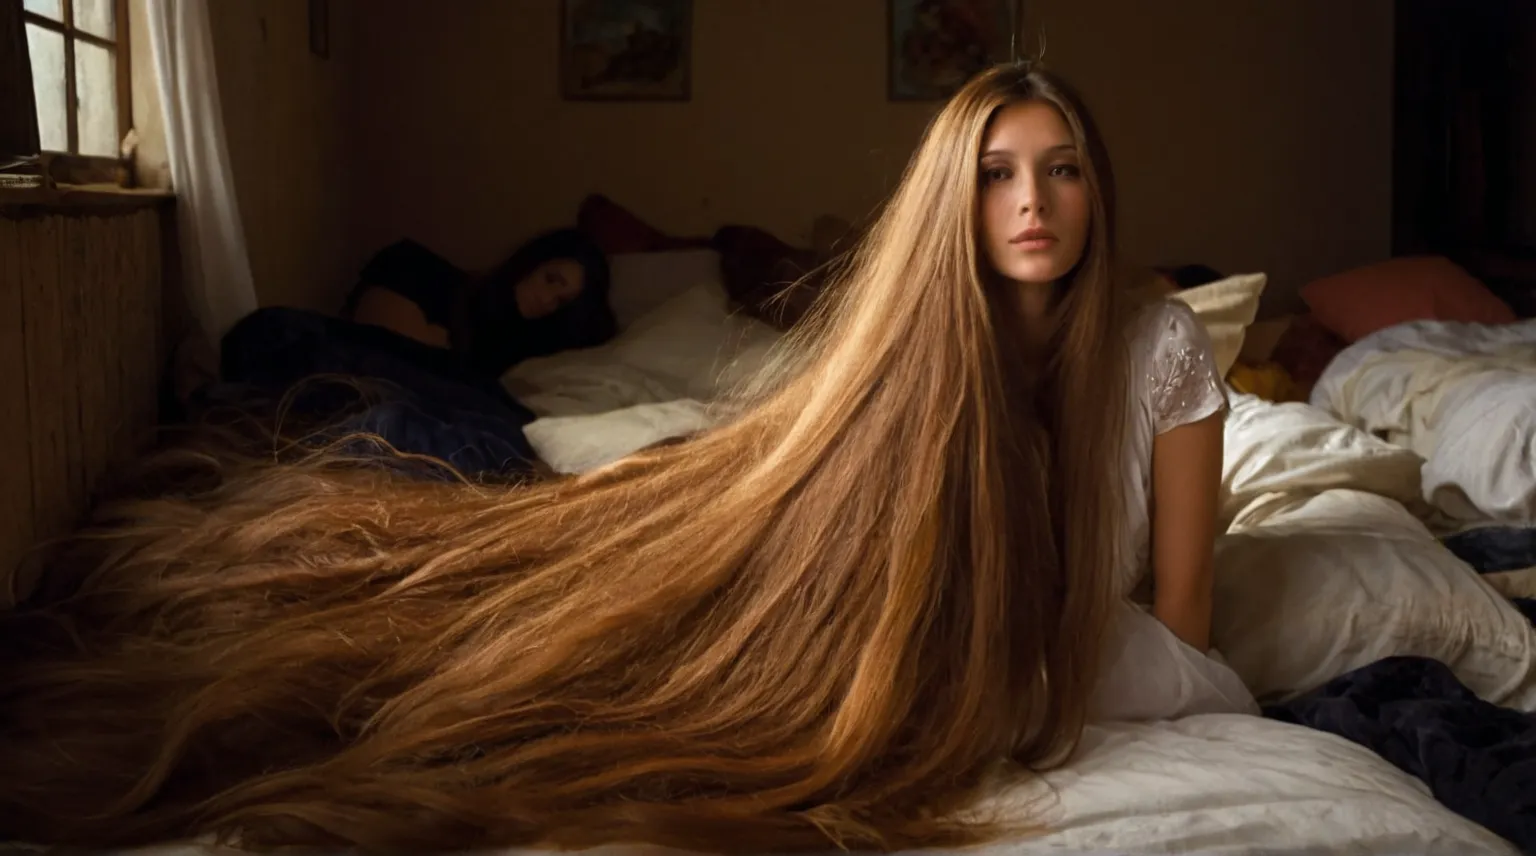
<point x="1463" y="397"/>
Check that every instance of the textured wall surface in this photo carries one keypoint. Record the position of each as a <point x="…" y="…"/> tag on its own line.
<point x="81" y="303"/>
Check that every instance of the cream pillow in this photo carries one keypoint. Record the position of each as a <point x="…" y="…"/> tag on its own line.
<point x="1226" y="307"/>
<point x="577" y="444"/>
<point x="1347" y="578"/>
<point x="1293" y="450"/>
<point x="692" y="346"/>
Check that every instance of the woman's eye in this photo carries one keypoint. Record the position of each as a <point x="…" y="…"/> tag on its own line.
<point x="1065" y="170"/>
<point x="996" y="173"/>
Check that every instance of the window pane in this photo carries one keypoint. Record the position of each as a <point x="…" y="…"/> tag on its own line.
<point x="96" y="88"/>
<point x="96" y="17"/>
<point x="47" y="50"/>
<point x="47" y="8"/>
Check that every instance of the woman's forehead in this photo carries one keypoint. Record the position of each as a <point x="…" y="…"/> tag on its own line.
<point x="1028" y="127"/>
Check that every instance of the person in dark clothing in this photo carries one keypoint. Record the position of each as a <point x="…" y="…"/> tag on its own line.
<point x="549" y="296"/>
<point x="417" y="357"/>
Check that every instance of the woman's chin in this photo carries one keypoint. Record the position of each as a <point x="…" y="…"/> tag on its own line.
<point x="1043" y="273"/>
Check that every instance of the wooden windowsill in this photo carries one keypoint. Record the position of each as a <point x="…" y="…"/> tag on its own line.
<point x="85" y="197"/>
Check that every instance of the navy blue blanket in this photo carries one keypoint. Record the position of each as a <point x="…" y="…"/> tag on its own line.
<point x="350" y="378"/>
<point x="1478" y="759"/>
<point x="1493" y="549"/>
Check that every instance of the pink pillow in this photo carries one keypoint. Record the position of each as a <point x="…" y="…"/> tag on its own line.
<point x="1357" y="303"/>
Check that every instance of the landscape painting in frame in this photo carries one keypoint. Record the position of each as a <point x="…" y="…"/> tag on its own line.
<point x="937" y="45"/>
<point x="626" y="50"/>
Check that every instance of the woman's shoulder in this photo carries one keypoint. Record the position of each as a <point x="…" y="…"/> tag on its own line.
<point x="1165" y="323"/>
<point x="1175" y="363"/>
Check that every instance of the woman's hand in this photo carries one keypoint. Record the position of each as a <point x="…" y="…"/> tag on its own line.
<point x="1186" y="481"/>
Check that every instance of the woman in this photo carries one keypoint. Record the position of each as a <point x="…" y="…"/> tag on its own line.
<point x="551" y="295"/>
<point x="824" y="621"/>
<point x="1042" y="191"/>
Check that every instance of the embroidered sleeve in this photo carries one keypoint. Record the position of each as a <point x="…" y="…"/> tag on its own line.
<point x="1186" y="385"/>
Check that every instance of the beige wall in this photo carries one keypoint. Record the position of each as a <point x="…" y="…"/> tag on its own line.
<point x="1251" y="136"/>
<point x="1522" y="203"/>
<point x="788" y="120"/>
<point x="289" y="144"/>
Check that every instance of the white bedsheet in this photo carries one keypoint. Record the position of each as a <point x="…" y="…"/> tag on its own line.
<point x="1462" y="396"/>
<point x="1219" y="784"/>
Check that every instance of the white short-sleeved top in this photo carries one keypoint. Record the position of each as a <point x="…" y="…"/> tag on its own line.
<point x="1174" y="381"/>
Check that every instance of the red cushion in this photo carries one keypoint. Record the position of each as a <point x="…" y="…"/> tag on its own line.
<point x="617" y="230"/>
<point x="1357" y="303"/>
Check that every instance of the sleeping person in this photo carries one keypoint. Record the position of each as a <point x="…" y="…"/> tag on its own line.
<point x="417" y="360"/>
<point x="550" y="295"/>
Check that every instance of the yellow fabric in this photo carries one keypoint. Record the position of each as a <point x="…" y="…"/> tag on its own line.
<point x="1265" y="380"/>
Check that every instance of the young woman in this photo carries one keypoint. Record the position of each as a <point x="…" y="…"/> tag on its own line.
<point x="550" y="295"/>
<point x="1045" y="183"/>
<point x="905" y="558"/>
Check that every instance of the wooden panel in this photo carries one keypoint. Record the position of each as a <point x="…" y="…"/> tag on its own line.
<point x="50" y="395"/>
<point x="81" y="300"/>
<point x="142" y="330"/>
<point x="94" y="258"/>
<point x="16" y="531"/>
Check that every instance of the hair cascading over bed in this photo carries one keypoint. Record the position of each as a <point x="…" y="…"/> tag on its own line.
<point x="824" y="620"/>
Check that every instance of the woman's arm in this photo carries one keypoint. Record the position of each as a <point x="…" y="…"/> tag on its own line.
<point x="382" y="307"/>
<point x="1186" y="480"/>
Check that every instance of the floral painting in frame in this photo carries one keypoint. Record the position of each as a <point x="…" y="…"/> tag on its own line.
<point x="626" y="50"/>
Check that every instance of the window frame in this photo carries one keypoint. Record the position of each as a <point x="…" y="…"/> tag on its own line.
<point x="124" y="69"/>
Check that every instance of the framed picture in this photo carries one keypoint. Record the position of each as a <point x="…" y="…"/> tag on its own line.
<point x="626" y="50"/>
<point x="937" y="45"/>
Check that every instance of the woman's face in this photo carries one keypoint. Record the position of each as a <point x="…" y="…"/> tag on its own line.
<point x="1035" y="208"/>
<point x="550" y="286"/>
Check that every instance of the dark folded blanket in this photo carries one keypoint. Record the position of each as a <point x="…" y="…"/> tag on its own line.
<point x="1494" y="549"/>
<point x="342" y="378"/>
<point x="1478" y="759"/>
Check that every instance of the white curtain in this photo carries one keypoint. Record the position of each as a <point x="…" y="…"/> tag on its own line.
<point x="215" y="267"/>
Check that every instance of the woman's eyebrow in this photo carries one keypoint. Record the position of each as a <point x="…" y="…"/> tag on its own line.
<point x="1071" y="147"/>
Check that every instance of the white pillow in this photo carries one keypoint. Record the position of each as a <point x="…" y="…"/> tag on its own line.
<point x="1298" y="449"/>
<point x="1347" y="578"/>
<point x="696" y="343"/>
<point x="690" y="347"/>
<point x="1227" y="307"/>
<point x="576" y="444"/>
<point x="641" y="282"/>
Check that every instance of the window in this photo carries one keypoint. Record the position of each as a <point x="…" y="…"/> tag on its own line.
<point x="79" y="55"/>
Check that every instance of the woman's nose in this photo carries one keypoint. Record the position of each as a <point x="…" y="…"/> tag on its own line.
<point x="1031" y="199"/>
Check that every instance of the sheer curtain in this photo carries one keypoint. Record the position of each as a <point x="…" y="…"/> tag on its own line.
<point x="216" y="270"/>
